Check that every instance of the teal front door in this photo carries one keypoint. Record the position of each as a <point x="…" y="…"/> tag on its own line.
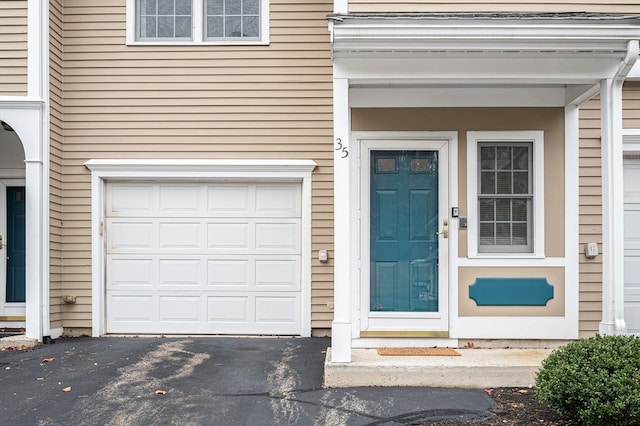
<point x="15" y="245"/>
<point x="404" y="231"/>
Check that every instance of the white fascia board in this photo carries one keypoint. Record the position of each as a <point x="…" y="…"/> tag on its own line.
<point x="363" y="97"/>
<point x="465" y="35"/>
<point x="160" y="168"/>
<point x="476" y="70"/>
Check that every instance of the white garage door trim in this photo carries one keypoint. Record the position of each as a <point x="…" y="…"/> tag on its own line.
<point x="159" y="171"/>
<point x="632" y="244"/>
<point x="631" y="163"/>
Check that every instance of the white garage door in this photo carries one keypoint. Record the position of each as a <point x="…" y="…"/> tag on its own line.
<point x="632" y="245"/>
<point x="203" y="258"/>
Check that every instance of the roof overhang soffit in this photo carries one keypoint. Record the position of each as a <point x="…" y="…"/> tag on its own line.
<point x="438" y="49"/>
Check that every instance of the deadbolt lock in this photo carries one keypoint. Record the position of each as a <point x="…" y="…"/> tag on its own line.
<point x="1" y="242"/>
<point x="445" y="229"/>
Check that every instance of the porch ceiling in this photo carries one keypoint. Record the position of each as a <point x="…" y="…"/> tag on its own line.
<point x="480" y="49"/>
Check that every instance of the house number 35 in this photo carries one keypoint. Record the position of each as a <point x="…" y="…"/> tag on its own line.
<point x="340" y="147"/>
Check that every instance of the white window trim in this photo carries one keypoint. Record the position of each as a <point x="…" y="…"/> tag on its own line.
<point x="535" y="137"/>
<point x="198" y="24"/>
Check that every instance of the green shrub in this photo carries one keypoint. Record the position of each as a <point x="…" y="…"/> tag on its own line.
<point x="595" y="381"/>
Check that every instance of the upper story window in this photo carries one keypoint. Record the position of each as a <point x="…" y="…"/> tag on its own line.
<point x="197" y="21"/>
<point x="505" y="193"/>
<point x="164" y="19"/>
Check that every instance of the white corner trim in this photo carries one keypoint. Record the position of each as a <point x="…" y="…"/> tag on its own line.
<point x="537" y="137"/>
<point x="106" y="170"/>
<point x="340" y="6"/>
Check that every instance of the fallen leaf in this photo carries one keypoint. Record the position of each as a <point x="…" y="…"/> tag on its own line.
<point x="48" y="359"/>
<point x="67" y="389"/>
<point x="161" y="392"/>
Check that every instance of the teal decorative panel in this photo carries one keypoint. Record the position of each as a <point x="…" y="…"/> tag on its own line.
<point x="511" y="291"/>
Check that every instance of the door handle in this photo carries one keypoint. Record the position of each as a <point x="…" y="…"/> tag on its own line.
<point x="1" y="242"/>
<point x="445" y="229"/>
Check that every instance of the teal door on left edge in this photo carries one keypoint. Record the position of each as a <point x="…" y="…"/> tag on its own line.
<point x="403" y="231"/>
<point x="15" y="281"/>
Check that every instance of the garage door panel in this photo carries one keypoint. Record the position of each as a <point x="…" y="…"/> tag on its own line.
<point x="277" y="200"/>
<point x="180" y="272"/>
<point x="204" y="258"/>
<point x="221" y="309"/>
<point x="270" y="309"/>
<point x="179" y="308"/>
<point x="123" y="235"/>
<point x="225" y="236"/>
<point x="229" y="199"/>
<point x="231" y="274"/>
<point x="130" y="200"/>
<point x="278" y="274"/>
<point x="126" y="308"/>
<point x="132" y="273"/>
<point x="180" y="199"/>
<point x="278" y="236"/>
<point x="180" y="235"/>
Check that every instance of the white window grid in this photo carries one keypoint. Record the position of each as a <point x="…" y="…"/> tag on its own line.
<point x="254" y="27"/>
<point x="536" y="194"/>
<point x="504" y="210"/>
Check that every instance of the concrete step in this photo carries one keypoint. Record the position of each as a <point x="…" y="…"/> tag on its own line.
<point x="474" y="368"/>
<point x="19" y="341"/>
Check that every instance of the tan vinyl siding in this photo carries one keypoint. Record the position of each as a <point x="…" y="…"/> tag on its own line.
<point x="613" y="6"/>
<point x="123" y="101"/>
<point x="13" y="48"/>
<point x="590" y="221"/>
<point x="56" y="39"/>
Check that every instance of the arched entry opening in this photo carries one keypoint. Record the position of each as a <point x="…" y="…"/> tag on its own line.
<point x="24" y="149"/>
<point x="12" y="229"/>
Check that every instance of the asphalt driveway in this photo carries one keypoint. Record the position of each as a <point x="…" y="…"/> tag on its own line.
<point x="205" y="381"/>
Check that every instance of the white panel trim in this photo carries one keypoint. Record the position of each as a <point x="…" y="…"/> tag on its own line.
<point x="572" y="220"/>
<point x="537" y="137"/>
<point x="371" y="97"/>
<point x="112" y="170"/>
<point x="345" y="232"/>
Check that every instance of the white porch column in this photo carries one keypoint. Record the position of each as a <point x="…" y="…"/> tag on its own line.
<point x="341" y="326"/>
<point x="35" y="297"/>
<point x="37" y="173"/>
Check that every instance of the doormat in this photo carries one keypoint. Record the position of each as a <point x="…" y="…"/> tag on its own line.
<point x="418" y="352"/>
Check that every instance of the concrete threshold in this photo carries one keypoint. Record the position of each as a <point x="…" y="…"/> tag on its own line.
<point x="474" y="368"/>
